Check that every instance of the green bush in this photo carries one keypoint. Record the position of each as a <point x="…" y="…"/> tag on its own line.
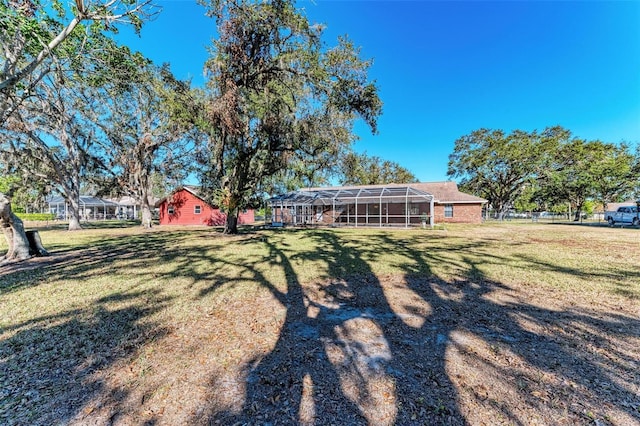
<point x="36" y="216"/>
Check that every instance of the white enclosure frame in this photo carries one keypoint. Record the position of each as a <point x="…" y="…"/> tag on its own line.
<point x="89" y="208"/>
<point x="303" y="207"/>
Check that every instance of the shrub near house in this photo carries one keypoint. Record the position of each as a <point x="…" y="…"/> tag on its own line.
<point x="34" y="217"/>
<point x="185" y="207"/>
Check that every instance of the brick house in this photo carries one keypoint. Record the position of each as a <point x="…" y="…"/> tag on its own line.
<point x="185" y="207"/>
<point x="378" y="205"/>
<point x="451" y="205"/>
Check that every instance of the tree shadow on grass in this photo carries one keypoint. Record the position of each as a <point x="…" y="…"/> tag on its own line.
<point x="574" y="364"/>
<point x="354" y="350"/>
<point x="335" y="361"/>
<point x="355" y="347"/>
<point x="50" y="364"/>
<point x="83" y="260"/>
<point x="301" y="380"/>
<point x="53" y="367"/>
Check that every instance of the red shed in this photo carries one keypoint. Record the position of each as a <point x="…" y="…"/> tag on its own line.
<point x="185" y="207"/>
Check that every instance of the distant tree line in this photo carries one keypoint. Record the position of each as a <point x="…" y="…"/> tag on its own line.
<point x="544" y="170"/>
<point x="362" y="169"/>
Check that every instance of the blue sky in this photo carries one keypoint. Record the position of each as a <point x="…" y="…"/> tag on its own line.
<point x="446" y="68"/>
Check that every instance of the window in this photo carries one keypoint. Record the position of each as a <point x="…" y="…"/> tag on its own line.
<point x="170" y="210"/>
<point x="197" y="209"/>
<point x="448" y="210"/>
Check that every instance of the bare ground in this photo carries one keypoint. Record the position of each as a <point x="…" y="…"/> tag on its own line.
<point x="403" y="349"/>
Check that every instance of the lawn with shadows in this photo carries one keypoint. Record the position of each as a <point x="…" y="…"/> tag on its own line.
<point x="489" y="324"/>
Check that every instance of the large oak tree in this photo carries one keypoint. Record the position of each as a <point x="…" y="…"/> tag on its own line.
<point x="277" y="97"/>
<point x="578" y="170"/>
<point x="142" y="135"/>
<point x="51" y="139"/>
<point x="40" y="37"/>
<point x="497" y="166"/>
<point x="544" y="169"/>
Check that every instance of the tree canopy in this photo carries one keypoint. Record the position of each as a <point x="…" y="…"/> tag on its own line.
<point x="579" y="170"/>
<point x="361" y="169"/>
<point x="542" y="169"/>
<point x="141" y="137"/>
<point x="495" y="165"/>
<point x="38" y="37"/>
<point x="277" y="96"/>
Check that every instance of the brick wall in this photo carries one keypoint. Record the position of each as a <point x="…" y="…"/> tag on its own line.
<point x="462" y="213"/>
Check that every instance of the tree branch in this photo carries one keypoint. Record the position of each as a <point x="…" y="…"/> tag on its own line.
<point x="53" y="44"/>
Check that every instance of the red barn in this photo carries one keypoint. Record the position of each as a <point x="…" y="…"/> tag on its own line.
<point x="185" y="207"/>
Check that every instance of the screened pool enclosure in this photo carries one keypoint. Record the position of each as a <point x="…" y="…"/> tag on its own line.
<point x="382" y="205"/>
<point x="91" y="208"/>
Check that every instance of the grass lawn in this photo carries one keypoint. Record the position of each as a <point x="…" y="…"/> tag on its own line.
<point x="487" y="324"/>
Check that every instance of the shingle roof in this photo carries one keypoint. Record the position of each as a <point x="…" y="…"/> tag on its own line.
<point x="447" y="192"/>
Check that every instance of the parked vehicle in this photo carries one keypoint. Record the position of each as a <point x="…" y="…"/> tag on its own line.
<point x="624" y="214"/>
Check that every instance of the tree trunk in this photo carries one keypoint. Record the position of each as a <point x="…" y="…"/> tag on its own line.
<point x="231" y="224"/>
<point x="13" y="231"/>
<point x="499" y="209"/>
<point x="578" y="213"/>
<point x="142" y="189"/>
<point x="74" y="213"/>
<point x="577" y="216"/>
<point x="146" y="213"/>
<point x="35" y="244"/>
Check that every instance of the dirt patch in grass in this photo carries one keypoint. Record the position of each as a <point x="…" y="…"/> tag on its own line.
<point x="327" y="327"/>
